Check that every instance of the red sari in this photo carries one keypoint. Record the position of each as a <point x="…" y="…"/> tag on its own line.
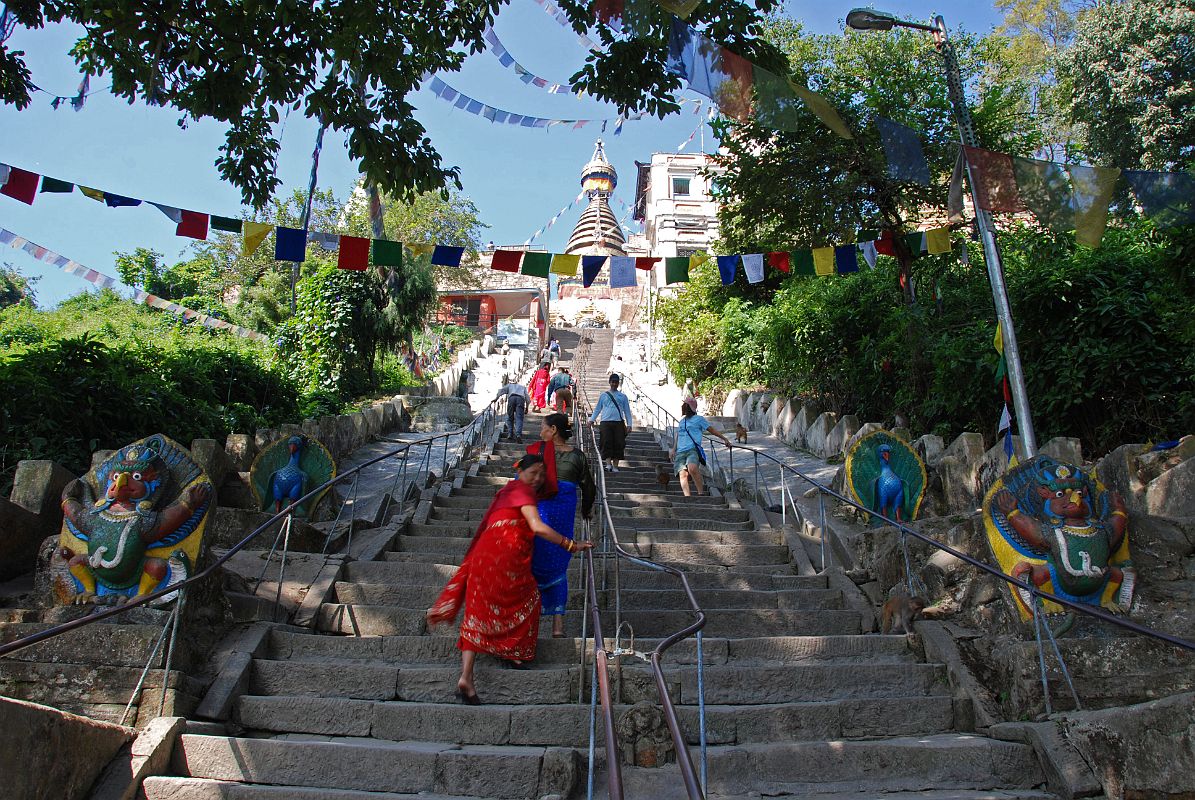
<point x="494" y="582"/>
<point x="539" y="387"/>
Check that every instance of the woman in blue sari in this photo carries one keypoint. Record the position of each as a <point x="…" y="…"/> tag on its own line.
<point x="568" y="472"/>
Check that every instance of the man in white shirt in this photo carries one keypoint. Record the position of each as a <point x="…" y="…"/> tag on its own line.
<point x="516" y="407"/>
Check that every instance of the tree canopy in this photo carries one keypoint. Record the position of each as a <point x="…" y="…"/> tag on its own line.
<point x="16" y="288"/>
<point x="349" y="65"/>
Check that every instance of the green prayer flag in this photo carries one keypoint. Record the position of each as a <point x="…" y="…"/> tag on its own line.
<point x="867" y="235"/>
<point x="1046" y="189"/>
<point x="387" y="253"/>
<point x="537" y="264"/>
<point x="776" y="104"/>
<point x="1001" y="369"/>
<point x="227" y="224"/>
<point x="676" y="270"/>
<point x="802" y="262"/>
<point x="916" y="243"/>
<point x="56" y="186"/>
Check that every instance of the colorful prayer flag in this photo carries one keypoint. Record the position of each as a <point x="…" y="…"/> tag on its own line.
<point x="822" y="109"/>
<point x="995" y="181"/>
<point x="253" y="234"/>
<point x="193" y="225"/>
<point x="868" y="249"/>
<point x="290" y="244"/>
<point x="916" y="243"/>
<point x="779" y="261"/>
<point x="823" y="261"/>
<point x="354" y="253"/>
<point x="506" y="260"/>
<point x="753" y="266"/>
<point x="54" y="186"/>
<point x="886" y="244"/>
<point x="226" y="224"/>
<point x="937" y="241"/>
<point x="801" y="262"/>
<point x="173" y="214"/>
<point x="1167" y="198"/>
<point x="726" y="268"/>
<point x="697" y="259"/>
<point x="537" y="265"/>
<point x="446" y="256"/>
<point x="645" y="263"/>
<point x="676" y="270"/>
<point x="386" y="253"/>
<point x="94" y="194"/>
<point x="113" y="200"/>
<point x="1092" y="189"/>
<point x="21" y="185"/>
<point x="846" y="259"/>
<point x="622" y="272"/>
<point x="565" y="265"/>
<point x="590" y="267"/>
<point x="719" y="74"/>
<point x="902" y="148"/>
<point x="418" y="250"/>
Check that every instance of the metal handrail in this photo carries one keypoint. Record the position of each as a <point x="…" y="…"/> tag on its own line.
<point x="485" y="417"/>
<point x="1037" y="593"/>
<point x="693" y="787"/>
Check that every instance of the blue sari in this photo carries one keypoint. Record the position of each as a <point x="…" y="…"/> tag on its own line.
<point x="549" y="562"/>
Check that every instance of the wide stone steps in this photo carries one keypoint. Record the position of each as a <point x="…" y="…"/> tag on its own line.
<point x="679" y="512"/>
<point x="567" y="725"/>
<point x="851" y="767"/>
<point x="384" y="620"/>
<point x="377" y="765"/>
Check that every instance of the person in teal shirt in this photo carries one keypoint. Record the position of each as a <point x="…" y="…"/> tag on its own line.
<point x="689" y="431"/>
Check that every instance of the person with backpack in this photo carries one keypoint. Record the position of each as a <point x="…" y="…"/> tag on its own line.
<point x="688" y="455"/>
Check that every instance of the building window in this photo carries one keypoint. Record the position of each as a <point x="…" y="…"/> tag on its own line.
<point x="680" y="187"/>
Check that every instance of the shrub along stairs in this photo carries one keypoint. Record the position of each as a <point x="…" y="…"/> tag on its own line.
<point x="799" y="698"/>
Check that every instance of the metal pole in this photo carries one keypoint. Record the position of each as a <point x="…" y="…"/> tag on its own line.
<point x="991" y="251"/>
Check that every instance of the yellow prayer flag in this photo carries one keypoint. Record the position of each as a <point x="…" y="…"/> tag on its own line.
<point x="937" y="241"/>
<point x="823" y="260"/>
<point x="565" y="265"/>
<point x="998" y="342"/>
<point x="94" y="194"/>
<point x="697" y="259"/>
<point x="421" y="249"/>
<point x="252" y="235"/>
<point x="1093" y="189"/>
<point x="821" y="109"/>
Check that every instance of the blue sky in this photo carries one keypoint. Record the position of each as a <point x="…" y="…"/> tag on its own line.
<point x="518" y="177"/>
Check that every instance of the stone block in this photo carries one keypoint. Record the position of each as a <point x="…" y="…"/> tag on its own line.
<point x="733" y="404"/>
<point x="262" y="438"/>
<point x="149" y="755"/>
<point x="784" y="422"/>
<point x="241" y="449"/>
<point x="903" y="432"/>
<point x="210" y="456"/>
<point x="958" y="471"/>
<point x="771" y="415"/>
<point x="995" y="464"/>
<point x="374" y="420"/>
<point x="819" y="431"/>
<point x="21" y="534"/>
<point x="323" y="679"/>
<point x="227" y="526"/>
<point x="1066" y="449"/>
<point x="1172" y="494"/>
<point x="37" y="487"/>
<point x="41" y="750"/>
<point x="799" y="429"/>
<point x="864" y="430"/>
<point x="840" y="434"/>
<point x="930" y="448"/>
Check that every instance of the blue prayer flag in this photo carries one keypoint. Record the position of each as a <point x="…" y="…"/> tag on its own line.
<point x="590" y="267"/>
<point x="447" y="256"/>
<point x="846" y="259"/>
<point x="726" y="268"/>
<point x="290" y="244"/>
<point x="902" y="147"/>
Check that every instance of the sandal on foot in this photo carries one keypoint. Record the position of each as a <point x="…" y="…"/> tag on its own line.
<point x="468" y="699"/>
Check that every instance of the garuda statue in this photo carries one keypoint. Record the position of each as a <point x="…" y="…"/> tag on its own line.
<point x="134" y="524"/>
<point x="1056" y="526"/>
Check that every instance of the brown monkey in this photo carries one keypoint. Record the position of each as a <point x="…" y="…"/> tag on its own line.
<point x="740" y="433"/>
<point x="663" y="475"/>
<point x="901" y="610"/>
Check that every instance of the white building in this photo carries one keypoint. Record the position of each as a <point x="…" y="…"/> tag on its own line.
<point x="675" y="203"/>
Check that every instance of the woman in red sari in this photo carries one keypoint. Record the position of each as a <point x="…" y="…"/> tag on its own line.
<point x="539" y="388"/>
<point x="494" y="582"/>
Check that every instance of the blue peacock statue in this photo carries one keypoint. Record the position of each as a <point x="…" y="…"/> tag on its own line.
<point x="886" y="476"/>
<point x="289" y="468"/>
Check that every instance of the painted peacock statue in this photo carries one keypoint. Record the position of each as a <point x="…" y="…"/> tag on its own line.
<point x="286" y="470"/>
<point x="886" y="476"/>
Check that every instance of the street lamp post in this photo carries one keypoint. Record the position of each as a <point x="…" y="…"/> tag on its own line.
<point x="867" y="19"/>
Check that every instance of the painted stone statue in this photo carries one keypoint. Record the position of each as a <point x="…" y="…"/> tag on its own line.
<point x="886" y="476"/>
<point x="134" y="525"/>
<point x="1056" y="526"/>
<point x="288" y="469"/>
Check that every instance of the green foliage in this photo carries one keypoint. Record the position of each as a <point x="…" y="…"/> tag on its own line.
<point x="99" y="372"/>
<point x="349" y="65"/>
<point x="16" y="288"/>
<point x="1106" y="337"/>
<point x="1130" y="74"/>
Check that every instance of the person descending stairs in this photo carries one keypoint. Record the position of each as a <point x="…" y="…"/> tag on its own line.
<point x="800" y="699"/>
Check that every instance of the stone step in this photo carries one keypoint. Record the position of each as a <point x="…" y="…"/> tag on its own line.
<point x="169" y="788"/>
<point x="376" y="765"/>
<point x="707" y="514"/>
<point x="742" y="652"/>
<point x="382" y="620"/>
<point x="567" y="725"/>
<point x="689" y="536"/>
<point x="730" y="685"/>
<point x="421" y="596"/>
<point x="729" y="555"/>
<point x="640" y="501"/>
<point x="400" y="570"/>
<point x="657" y="523"/>
<point x="121" y="645"/>
<point x="951" y="762"/>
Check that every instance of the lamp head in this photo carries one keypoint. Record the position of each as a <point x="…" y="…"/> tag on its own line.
<point x="868" y="19"/>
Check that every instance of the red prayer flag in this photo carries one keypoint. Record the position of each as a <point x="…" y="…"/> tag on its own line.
<point x="605" y="11"/>
<point x="779" y="260"/>
<point x="645" y="263"/>
<point x="21" y="185"/>
<point x="193" y="224"/>
<point x="995" y="181"/>
<point x="734" y="94"/>
<point x="507" y="260"/>
<point x="886" y="244"/>
<point x="354" y="253"/>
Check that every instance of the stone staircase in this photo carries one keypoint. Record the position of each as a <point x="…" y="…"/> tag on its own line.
<point x="799" y="700"/>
